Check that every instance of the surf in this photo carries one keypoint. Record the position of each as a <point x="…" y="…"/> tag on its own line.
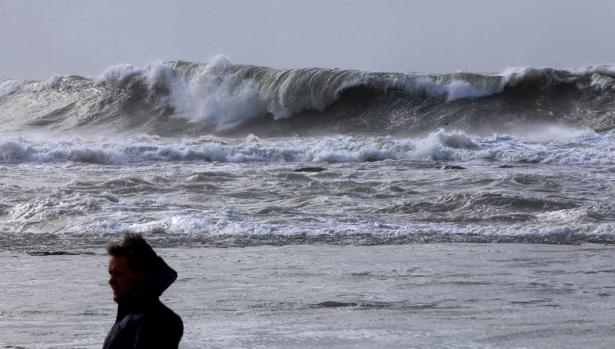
<point x="222" y="98"/>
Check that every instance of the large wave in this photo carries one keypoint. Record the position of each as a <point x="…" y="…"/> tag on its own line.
<point x="179" y="98"/>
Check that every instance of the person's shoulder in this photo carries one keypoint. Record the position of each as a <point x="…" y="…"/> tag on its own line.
<point x="160" y="328"/>
<point x="165" y="314"/>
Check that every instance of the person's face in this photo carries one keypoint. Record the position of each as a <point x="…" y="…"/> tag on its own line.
<point x="121" y="279"/>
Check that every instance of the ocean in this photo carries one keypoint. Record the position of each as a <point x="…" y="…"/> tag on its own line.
<point x="315" y="207"/>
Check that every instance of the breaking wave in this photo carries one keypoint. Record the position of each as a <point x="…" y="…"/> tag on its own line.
<point x="183" y="98"/>
<point x="562" y="147"/>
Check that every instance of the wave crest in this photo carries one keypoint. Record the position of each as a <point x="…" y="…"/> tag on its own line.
<point x="184" y="97"/>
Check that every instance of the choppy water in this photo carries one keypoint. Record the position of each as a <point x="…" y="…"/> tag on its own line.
<point x="339" y="198"/>
<point x="447" y="186"/>
<point x="225" y="154"/>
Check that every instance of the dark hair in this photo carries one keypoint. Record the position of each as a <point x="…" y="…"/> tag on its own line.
<point x="140" y="255"/>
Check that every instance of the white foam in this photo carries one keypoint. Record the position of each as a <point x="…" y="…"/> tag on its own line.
<point x="443" y="88"/>
<point x="511" y="76"/>
<point x="444" y="145"/>
<point x="558" y="145"/>
<point x="51" y="208"/>
<point x="9" y="86"/>
<point x="231" y="224"/>
<point x="214" y="95"/>
<point x="602" y="76"/>
<point x="458" y="89"/>
<point x="553" y="145"/>
<point x="11" y="152"/>
<point x="52" y="82"/>
<point x="603" y="69"/>
<point x="602" y="82"/>
<point x="159" y="74"/>
<point x="117" y="74"/>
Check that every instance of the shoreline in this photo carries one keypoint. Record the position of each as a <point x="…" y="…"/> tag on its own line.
<point x="316" y="296"/>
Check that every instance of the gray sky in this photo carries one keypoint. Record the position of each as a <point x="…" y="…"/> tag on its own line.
<point x="39" y="38"/>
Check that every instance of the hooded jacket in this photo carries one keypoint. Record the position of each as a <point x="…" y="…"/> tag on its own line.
<point x="142" y="321"/>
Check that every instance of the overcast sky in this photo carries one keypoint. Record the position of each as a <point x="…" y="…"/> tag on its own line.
<point x="39" y="38"/>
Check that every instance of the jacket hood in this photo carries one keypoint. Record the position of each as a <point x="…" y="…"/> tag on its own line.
<point x="158" y="279"/>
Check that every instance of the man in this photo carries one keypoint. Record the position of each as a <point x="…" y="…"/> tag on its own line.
<point x="138" y="277"/>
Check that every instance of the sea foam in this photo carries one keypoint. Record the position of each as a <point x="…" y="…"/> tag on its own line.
<point x="563" y="146"/>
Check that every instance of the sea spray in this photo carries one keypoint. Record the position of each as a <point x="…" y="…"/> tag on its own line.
<point x="174" y="98"/>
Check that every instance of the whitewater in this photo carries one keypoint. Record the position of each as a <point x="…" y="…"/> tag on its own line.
<point x="419" y="201"/>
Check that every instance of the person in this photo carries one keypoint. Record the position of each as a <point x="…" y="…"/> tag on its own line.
<point x="138" y="276"/>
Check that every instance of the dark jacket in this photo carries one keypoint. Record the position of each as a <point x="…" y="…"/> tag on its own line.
<point x="143" y="322"/>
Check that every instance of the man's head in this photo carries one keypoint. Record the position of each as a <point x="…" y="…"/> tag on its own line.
<point x="129" y="262"/>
